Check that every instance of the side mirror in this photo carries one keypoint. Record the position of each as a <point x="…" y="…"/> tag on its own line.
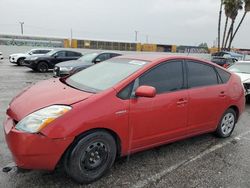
<point x="55" y="56"/>
<point x="145" y="91"/>
<point x="97" y="60"/>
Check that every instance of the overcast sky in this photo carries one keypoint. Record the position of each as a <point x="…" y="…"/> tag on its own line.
<point x="181" y="22"/>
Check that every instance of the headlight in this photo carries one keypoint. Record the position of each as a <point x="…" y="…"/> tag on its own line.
<point x="36" y="121"/>
<point x="33" y="58"/>
<point x="66" y="68"/>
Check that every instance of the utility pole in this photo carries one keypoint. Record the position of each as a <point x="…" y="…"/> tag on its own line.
<point x="71" y="36"/>
<point x="21" y="23"/>
<point x="136" y="33"/>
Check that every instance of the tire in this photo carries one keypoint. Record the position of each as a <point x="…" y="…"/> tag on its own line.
<point x="91" y="157"/>
<point x="42" y="67"/>
<point x="248" y="99"/>
<point x="227" y="124"/>
<point x="20" y="61"/>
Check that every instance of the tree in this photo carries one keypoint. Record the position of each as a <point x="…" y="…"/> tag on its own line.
<point x="219" y="23"/>
<point x="246" y="10"/>
<point x="227" y="9"/>
<point x="232" y="8"/>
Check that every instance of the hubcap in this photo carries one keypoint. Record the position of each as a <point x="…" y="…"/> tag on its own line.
<point x="227" y="123"/>
<point x="94" y="156"/>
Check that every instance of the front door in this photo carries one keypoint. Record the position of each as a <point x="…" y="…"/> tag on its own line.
<point x="156" y="120"/>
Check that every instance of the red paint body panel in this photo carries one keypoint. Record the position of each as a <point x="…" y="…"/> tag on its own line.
<point x="139" y="123"/>
<point x="34" y="151"/>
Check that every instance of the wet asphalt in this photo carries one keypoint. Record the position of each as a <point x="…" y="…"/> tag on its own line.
<point x="202" y="161"/>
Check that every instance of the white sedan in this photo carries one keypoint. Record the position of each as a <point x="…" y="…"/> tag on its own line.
<point x="242" y="69"/>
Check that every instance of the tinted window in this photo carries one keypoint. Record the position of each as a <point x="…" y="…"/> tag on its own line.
<point x="200" y="74"/>
<point x="223" y="75"/>
<point x="126" y="92"/>
<point x="61" y="54"/>
<point x="103" y="57"/>
<point x="114" y="55"/>
<point x="72" y="54"/>
<point x="165" y="77"/>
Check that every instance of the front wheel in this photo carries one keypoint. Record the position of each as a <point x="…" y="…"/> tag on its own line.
<point x="42" y="67"/>
<point x="227" y="124"/>
<point x="90" y="157"/>
<point x="20" y="61"/>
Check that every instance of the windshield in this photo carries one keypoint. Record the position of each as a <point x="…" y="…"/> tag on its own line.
<point x="30" y="52"/>
<point x="88" y="57"/>
<point x="240" y="68"/>
<point x="51" y="52"/>
<point x="104" y="75"/>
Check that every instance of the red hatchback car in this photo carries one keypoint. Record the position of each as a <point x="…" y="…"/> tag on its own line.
<point x="124" y="105"/>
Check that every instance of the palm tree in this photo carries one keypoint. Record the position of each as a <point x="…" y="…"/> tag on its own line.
<point x="236" y="6"/>
<point x="246" y="10"/>
<point x="219" y="23"/>
<point x="227" y="8"/>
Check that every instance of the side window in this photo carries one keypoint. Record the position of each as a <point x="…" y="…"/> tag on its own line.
<point x="61" y="54"/>
<point x="223" y="75"/>
<point x="103" y="57"/>
<point x="114" y="55"/>
<point x="200" y="74"/>
<point x="126" y="92"/>
<point x="165" y="77"/>
<point x="72" y="54"/>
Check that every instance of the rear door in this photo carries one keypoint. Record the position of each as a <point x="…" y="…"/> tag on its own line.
<point x="72" y="55"/>
<point x="207" y="96"/>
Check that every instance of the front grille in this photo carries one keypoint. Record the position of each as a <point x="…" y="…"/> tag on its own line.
<point x="247" y="86"/>
<point x="56" y="71"/>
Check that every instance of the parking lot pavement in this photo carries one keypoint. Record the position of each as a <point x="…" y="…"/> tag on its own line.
<point x="202" y="161"/>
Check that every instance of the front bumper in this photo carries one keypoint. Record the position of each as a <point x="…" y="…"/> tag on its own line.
<point x="30" y="64"/>
<point x="60" y="73"/>
<point x="34" y="151"/>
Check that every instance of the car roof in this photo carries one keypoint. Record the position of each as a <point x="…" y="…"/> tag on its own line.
<point x="157" y="57"/>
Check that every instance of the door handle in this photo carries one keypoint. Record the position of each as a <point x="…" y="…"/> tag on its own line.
<point x="222" y="94"/>
<point x="182" y="101"/>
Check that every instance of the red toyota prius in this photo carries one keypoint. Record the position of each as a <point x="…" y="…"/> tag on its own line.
<point x="121" y="106"/>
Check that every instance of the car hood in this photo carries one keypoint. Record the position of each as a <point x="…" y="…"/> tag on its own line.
<point x="43" y="94"/>
<point x="73" y="63"/>
<point x="244" y="77"/>
<point x="19" y="54"/>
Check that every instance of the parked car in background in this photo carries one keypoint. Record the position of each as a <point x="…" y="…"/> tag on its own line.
<point x="48" y="61"/>
<point x="1" y="56"/>
<point x="242" y="69"/>
<point x="227" y="54"/>
<point x="223" y="61"/>
<point x="71" y="67"/>
<point x="120" y="106"/>
<point x="19" y="58"/>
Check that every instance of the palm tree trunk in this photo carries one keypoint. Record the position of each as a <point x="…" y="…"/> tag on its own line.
<point x="219" y="24"/>
<point x="228" y="34"/>
<point x="243" y="17"/>
<point x="231" y="36"/>
<point x="224" y="34"/>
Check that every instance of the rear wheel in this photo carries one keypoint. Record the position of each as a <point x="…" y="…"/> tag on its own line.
<point x="42" y="67"/>
<point x="90" y="157"/>
<point x="227" y="124"/>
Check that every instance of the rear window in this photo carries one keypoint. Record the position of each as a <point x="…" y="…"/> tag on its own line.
<point x="223" y="75"/>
